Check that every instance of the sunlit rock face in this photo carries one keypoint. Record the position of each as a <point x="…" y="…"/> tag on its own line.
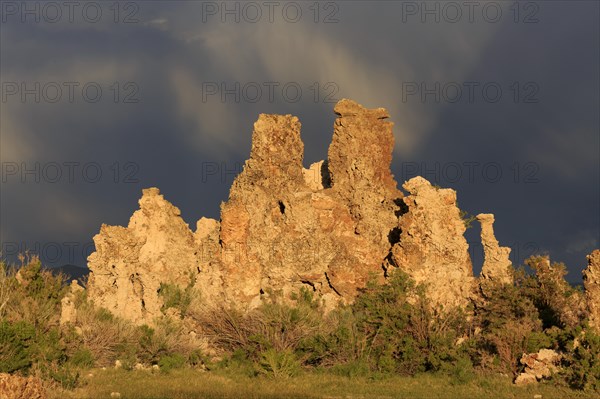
<point x="329" y="228"/>
<point x="130" y="263"/>
<point x="325" y="227"/>
<point x="432" y="247"/>
<point x="591" y="283"/>
<point x="497" y="268"/>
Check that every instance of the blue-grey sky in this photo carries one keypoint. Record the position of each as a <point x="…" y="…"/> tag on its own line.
<point x="496" y="99"/>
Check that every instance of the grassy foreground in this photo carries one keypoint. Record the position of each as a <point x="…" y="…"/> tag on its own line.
<point x="189" y="383"/>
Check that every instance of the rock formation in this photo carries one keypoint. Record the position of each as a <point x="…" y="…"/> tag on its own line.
<point x="328" y="228"/>
<point x="538" y="366"/>
<point x="327" y="235"/>
<point x="497" y="267"/>
<point x="131" y="263"/>
<point x="68" y="309"/>
<point x="17" y="387"/>
<point x="431" y="247"/>
<point x="591" y="283"/>
<point x="317" y="176"/>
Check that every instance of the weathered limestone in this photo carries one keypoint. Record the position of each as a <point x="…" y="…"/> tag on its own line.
<point x="591" y="283"/>
<point x="359" y="160"/>
<point x="497" y="267"/>
<point x="328" y="228"/>
<point x="130" y="263"/>
<point x="317" y="176"/>
<point x="17" y="387"/>
<point x="68" y="311"/>
<point x="327" y="234"/>
<point x="538" y="366"/>
<point x="432" y="247"/>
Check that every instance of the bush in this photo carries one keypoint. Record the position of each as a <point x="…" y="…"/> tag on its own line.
<point x="278" y="364"/>
<point x="403" y="334"/>
<point x="559" y="304"/>
<point x="197" y="358"/>
<point x="65" y="375"/>
<point x="106" y="337"/>
<point x="16" y="341"/>
<point x="509" y="323"/>
<point x="172" y="361"/>
<point x="238" y="363"/>
<point x="82" y="358"/>
<point x="166" y="337"/>
<point x="582" y="364"/>
<point x="462" y="371"/>
<point x="34" y="295"/>
<point x="174" y="297"/>
<point x="389" y="329"/>
<point x="338" y="344"/>
<point x="272" y="326"/>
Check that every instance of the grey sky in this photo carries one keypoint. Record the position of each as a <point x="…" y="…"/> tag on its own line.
<point x="491" y="87"/>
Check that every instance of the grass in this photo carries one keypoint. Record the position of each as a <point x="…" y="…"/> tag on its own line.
<point x="191" y="384"/>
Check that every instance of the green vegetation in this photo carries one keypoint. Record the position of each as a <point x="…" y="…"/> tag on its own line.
<point x="176" y="298"/>
<point x="467" y="218"/>
<point x="389" y="342"/>
<point x="190" y="383"/>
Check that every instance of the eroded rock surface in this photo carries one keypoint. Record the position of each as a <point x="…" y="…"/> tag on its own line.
<point x="317" y="176"/>
<point x="328" y="228"/>
<point x="538" y="366"/>
<point x="591" y="283"/>
<point x="497" y="267"/>
<point x="17" y="387"/>
<point x="68" y="312"/>
<point x="131" y="263"/>
<point x="432" y="247"/>
<point x="322" y="229"/>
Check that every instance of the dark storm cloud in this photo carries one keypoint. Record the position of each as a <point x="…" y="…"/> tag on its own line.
<point x="555" y="140"/>
<point x="189" y="143"/>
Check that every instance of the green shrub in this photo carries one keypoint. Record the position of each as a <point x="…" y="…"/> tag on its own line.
<point x="174" y="297"/>
<point x="197" y="358"/>
<point x="50" y="347"/>
<point x="582" y="364"/>
<point x="278" y="364"/>
<point x="507" y="319"/>
<point x="167" y="337"/>
<point x="238" y="363"/>
<point x="16" y="341"/>
<point x="537" y="340"/>
<point x="30" y="339"/>
<point x="172" y="361"/>
<point x="462" y="371"/>
<point x="41" y="284"/>
<point x="403" y="334"/>
<point x="558" y="303"/>
<point x="65" y="375"/>
<point x="151" y="349"/>
<point x="340" y="342"/>
<point x="273" y="325"/>
<point x="82" y="358"/>
<point x="34" y="297"/>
